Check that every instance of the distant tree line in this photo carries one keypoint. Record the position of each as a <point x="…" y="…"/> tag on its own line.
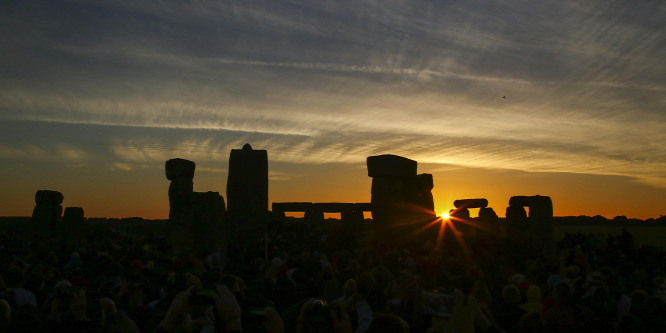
<point x="620" y="220"/>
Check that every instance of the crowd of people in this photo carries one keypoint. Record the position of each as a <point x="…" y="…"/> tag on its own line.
<point x="301" y="280"/>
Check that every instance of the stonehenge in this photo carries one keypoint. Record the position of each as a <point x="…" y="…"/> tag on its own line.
<point x="401" y="205"/>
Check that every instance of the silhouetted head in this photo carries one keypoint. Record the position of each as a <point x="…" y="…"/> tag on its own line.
<point x="511" y="295"/>
<point x="349" y="288"/>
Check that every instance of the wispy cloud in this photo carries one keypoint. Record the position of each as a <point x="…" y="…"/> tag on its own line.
<point x="49" y="152"/>
<point x="337" y="81"/>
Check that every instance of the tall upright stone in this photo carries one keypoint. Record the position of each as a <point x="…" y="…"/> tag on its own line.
<point x="208" y="222"/>
<point x="401" y="199"/>
<point x="181" y="174"/>
<point x="247" y="196"/>
<point x="47" y="211"/>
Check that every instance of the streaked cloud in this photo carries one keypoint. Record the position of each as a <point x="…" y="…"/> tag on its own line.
<point x="50" y="152"/>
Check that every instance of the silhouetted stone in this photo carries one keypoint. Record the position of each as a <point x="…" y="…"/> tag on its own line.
<point x="350" y="213"/>
<point x="74" y="214"/>
<point x="197" y="218"/>
<point x="424" y="182"/>
<point x="517" y="225"/>
<point x="47" y="211"/>
<point x="179" y="168"/>
<point x="422" y="196"/>
<point x="471" y="203"/>
<point x="181" y="186"/>
<point x="363" y="207"/>
<point x="536" y="230"/>
<point x="461" y="214"/>
<point x="48" y="197"/>
<point x="208" y="221"/>
<point x="482" y="228"/>
<point x="334" y="207"/>
<point x="390" y="166"/>
<point x="487" y="213"/>
<point x="516" y="213"/>
<point x="489" y="221"/>
<point x="180" y="172"/>
<point x="401" y="200"/>
<point x="71" y="225"/>
<point x="247" y="195"/>
<point x="292" y="206"/>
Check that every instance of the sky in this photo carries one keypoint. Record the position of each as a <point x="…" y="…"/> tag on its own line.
<point x="493" y="98"/>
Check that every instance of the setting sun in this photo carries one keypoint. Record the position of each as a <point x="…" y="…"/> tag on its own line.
<point x="444" y="216"/>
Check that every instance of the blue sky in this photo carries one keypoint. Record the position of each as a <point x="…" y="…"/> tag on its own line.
<point x="115" y="88"/>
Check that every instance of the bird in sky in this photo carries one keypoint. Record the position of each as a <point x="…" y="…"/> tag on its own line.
<point x="504" y="97"/>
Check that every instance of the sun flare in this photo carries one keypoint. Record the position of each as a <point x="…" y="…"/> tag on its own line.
<point x="444" y="216"/>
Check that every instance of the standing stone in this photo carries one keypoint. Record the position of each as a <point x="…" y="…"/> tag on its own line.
<point x="72" y="226"/>
<point x="517" y="223"/>
<point x="181" y="174"/>
<point x="247" y="196"/>
<point x="208" y="212"/>
<point x="401" y="200"/>
<point x="423" y="194"/>
<point x="489" y="222"/>
<point x="47" y="211"/>
<point x="463" y="221"/>
<point x="197" y="218"/>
